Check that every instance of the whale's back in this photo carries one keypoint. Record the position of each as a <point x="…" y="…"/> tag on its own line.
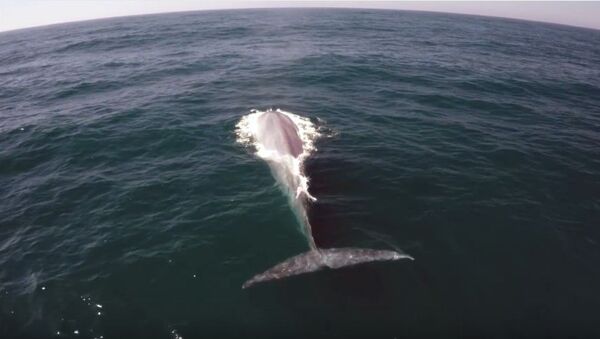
<point x="279" y="133"/>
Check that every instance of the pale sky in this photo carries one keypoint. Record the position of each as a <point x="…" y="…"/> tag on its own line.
<point x="16" y="14"/>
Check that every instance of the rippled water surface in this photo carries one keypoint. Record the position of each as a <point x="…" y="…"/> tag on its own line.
<point x="128" y="208"/>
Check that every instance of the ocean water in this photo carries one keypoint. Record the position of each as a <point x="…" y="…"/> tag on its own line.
<point x="129" y="209"/>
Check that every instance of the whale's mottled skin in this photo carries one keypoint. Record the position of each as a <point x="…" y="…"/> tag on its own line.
<point x="279" y="135"/>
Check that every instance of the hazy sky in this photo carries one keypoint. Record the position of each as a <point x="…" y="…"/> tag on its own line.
<point x="27" y="13"/>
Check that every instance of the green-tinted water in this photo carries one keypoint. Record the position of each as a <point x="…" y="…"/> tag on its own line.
<point x="128" y="208"/>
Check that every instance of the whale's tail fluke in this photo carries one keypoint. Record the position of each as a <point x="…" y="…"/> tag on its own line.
<point x="317" y="259"/>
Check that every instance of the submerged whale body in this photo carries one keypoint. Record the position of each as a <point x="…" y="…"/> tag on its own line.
<point x="284" y="140"/>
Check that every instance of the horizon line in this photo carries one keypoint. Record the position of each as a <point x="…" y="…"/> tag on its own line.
<point x="293" y="7"/>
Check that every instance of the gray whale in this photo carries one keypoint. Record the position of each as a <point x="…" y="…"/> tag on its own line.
<point x="279" y="136"/>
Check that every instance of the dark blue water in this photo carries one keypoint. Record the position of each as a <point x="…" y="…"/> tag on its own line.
<point x="129" y="210"/>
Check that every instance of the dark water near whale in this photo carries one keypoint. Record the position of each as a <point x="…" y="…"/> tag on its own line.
<point x="129" y="210"/>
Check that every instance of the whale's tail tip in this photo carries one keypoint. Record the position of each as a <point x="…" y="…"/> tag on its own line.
<point x="317" y="259"/>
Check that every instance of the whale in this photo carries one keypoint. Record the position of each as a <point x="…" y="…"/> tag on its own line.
<point x="281" y="140"/>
